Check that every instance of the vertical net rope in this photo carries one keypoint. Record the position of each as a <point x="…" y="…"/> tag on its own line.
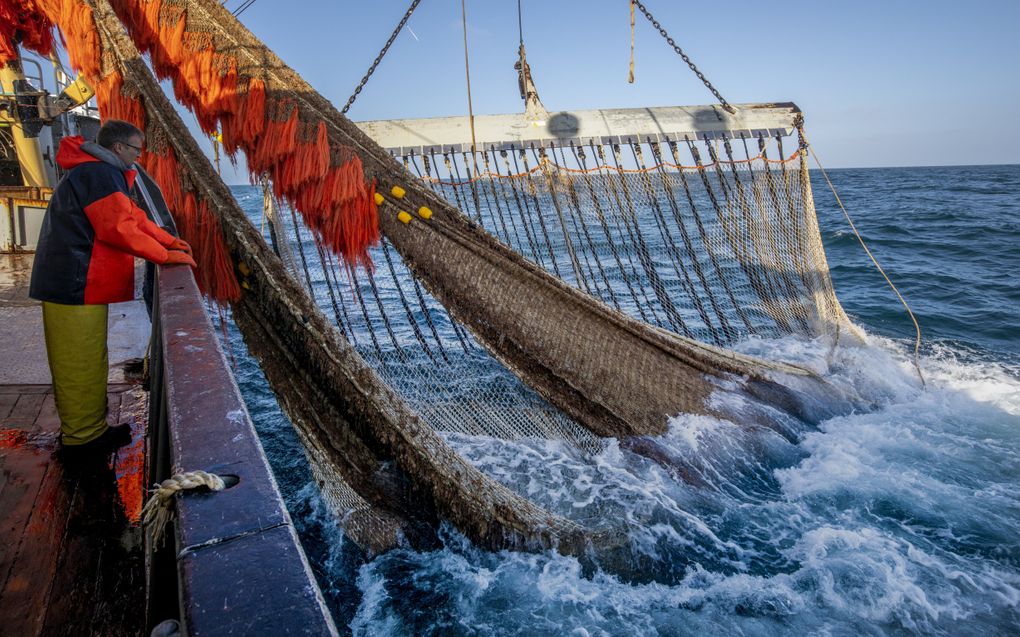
<point x="412" y="342"/>
<point x="719" y="249"/>
<point x="715" y="240"/>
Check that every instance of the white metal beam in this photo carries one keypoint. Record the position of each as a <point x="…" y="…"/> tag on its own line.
<point x="515" y="130"/>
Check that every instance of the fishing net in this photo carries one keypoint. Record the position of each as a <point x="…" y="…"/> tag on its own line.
<point x="720" y="249"/>
<point x="583" y="357"/>
<point x="355" y="429"/>
<point x="718" y="252"/>
<point x="419" y="338"/>
<point x="413" y="343"/>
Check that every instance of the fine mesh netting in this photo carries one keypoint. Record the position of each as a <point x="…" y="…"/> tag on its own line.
<point x="715" y="251"/>
<point x="414" y="344"/>
<point x="438" y="368"/>
<point x="714" y="240"/>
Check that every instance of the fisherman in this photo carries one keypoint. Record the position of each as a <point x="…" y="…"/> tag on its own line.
<point x="84" y="261"/>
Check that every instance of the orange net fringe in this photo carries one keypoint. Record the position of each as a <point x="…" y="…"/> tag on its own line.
<point x="195" y="223"/>
<point x="22" y="21"/>
<point x="325" y="183"/>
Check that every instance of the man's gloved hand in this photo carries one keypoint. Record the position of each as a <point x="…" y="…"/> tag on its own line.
<point x="180" y="244"/>
<point x="174" y="257"/>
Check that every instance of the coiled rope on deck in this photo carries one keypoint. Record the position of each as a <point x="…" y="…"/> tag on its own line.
<point x="157" y="510"/>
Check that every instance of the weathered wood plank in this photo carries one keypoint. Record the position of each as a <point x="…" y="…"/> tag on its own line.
<point x="14" y="434"/>
<point x="98" y="581"/>
<point x="48" y="420"/>
<point x="25" y="412"/>
<point x="23" y="608"/>
<point x="69" y="561"/>
<point x="32" y="388"/>
<point x="24" y="468"/>
<point x="7" y="401"/>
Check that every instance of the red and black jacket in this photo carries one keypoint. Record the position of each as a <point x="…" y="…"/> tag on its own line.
<point x="92" y="231"/>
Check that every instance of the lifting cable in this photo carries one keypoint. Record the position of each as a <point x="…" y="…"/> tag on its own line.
<point x="630" y="76"/>
<point x="684" y="56"/>
<point x="520" y="24"/>
<point x="243" y="7"/>
<point x="467" y="74"/>
<point x="378" y="58"/>
<point x="860" y="239"/>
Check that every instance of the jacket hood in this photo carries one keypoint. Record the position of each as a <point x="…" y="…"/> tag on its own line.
<point x="75" y="151"/>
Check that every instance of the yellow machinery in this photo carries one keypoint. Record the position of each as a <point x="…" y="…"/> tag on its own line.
<point x="28" y="141"/>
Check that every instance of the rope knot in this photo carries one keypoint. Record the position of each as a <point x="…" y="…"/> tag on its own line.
<point x="157" y="510"/>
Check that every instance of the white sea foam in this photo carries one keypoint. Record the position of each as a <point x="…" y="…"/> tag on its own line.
<point x="903" y="517"/>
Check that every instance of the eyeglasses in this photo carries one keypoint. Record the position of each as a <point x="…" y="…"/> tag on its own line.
<point x="137" y="148"/>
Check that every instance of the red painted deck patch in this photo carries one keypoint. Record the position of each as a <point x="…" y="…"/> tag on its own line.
<point x="66" y="527"/>
<point x="12" y="438"/>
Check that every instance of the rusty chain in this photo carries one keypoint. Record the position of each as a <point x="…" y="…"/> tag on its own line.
<point x="638" y="3"/>
<point x="680" y="52"/>
<point x="378" y="58"/>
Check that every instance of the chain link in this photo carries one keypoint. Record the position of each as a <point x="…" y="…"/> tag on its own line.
<point x="638" y="3"/>
<point x="378" y="58"/>
<point x="680" y="52"/>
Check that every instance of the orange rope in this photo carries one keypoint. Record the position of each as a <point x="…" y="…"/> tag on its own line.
<point x="489" y="174"/>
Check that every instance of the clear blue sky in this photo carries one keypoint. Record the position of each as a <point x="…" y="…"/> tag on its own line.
<point x="881" y="83"/>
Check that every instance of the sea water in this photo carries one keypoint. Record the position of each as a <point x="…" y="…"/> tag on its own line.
<point x="901" y="518"/>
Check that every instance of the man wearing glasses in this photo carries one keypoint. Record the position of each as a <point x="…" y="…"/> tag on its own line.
<point x="84" y="261"/>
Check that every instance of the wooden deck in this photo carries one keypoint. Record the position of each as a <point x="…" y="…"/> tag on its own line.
<point x="71" y="555"/>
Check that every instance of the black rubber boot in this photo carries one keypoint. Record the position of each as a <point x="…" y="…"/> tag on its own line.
<point x="109" y="441"/>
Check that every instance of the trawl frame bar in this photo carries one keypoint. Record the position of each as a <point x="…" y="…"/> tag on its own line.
<point x="516" y="130"/>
